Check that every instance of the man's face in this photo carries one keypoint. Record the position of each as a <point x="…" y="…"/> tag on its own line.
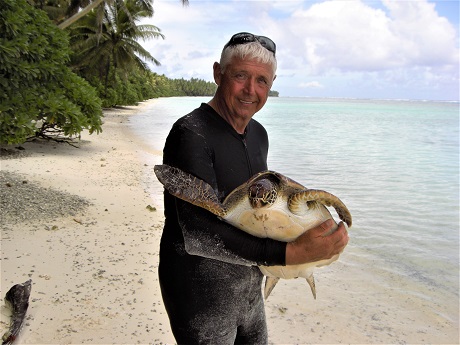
<point x="244" y="86"/>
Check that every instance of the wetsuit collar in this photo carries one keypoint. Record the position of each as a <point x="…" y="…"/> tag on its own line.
<point x="229" y="126"/>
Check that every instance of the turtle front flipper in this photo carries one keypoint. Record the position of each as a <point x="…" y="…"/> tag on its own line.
<point x="189" y="188"/>
<point x="297" y="200"/>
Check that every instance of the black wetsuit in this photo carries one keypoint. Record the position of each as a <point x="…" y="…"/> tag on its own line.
<point x="209" y="280"/>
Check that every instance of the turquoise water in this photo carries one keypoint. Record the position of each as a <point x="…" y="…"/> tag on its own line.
<point x="395" y="164"/>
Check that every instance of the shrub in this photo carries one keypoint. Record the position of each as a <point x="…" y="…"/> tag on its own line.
<point x="38" y="92"/>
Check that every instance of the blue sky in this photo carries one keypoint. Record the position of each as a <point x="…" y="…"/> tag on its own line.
<point x="381" y="49"/>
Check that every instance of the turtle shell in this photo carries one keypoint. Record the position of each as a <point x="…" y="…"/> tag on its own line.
<point x="275" y="206"/>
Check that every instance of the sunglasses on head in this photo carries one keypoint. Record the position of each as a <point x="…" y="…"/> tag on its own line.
<point x="246" y="37"/>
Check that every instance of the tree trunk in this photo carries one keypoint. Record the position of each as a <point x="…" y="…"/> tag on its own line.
<point x="80" y="14"/>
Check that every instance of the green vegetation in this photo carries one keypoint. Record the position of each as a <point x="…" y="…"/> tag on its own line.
<point x="55" y="82"/>
<point x="107" y="52"/>
<point x="39" y="93"/>
<point x="192" y="87"/>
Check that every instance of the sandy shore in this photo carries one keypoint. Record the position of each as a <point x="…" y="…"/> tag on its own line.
<point x="95" y="273"/>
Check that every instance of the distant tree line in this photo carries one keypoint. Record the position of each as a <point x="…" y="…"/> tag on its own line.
<point x="146" y="85"/>
<point x="62" y="61"/>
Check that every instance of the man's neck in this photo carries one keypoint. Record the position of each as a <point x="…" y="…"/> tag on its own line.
<point x="238" y="126"/>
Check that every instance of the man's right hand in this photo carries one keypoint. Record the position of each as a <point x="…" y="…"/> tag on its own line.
<point x="317" y="244"/>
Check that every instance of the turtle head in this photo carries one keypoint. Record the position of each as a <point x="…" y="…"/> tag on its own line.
<point x="262" y="193"/>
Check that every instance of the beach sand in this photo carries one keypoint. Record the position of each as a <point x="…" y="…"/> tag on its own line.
<point x="94" y="273"/>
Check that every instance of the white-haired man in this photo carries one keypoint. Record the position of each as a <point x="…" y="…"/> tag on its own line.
<point x="210" y="282"/>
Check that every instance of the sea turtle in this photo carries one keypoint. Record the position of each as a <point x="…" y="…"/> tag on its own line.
<point x="269" y="205"/>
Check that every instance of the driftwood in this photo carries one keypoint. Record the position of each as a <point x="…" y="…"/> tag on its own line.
<point x="17" y="299"/>
<point x="51" y="132"/>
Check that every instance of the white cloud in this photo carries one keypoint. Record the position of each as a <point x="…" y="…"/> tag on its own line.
<point x="312" y="85"/>
<point x="359" y="47"/>
<point x="426" y="38"/>
<point x="352" y="36"/>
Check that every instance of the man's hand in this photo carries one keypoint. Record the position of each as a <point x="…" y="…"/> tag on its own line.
<point x="317" y="244"/>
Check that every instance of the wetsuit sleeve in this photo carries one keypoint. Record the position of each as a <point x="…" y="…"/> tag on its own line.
<point x="204" y="233"/>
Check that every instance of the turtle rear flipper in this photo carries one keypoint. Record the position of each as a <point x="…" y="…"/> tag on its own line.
<point x="270" y="283"/>
<point x="311" y="281"/>
<point x="189" y="188"/>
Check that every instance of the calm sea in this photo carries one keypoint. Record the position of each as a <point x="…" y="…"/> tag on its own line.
<point x="395" y="164"/>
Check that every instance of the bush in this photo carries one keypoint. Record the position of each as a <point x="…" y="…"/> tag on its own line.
<point x="38" y="92"/>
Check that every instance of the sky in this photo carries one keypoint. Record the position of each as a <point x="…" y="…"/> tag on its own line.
<point x="377" y="49"/>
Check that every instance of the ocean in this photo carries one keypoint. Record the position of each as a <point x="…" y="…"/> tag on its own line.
<point x="395" y="164"/>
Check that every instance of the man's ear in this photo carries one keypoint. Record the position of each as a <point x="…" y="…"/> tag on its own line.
<point x="217" y="72"/>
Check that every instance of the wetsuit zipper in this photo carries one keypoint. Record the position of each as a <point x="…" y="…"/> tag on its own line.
<point x="247" y="155"/>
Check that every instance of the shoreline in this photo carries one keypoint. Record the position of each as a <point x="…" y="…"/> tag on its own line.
<point x="94" y="272"/>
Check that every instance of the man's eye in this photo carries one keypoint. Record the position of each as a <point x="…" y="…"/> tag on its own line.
<point x="263" y="81"/>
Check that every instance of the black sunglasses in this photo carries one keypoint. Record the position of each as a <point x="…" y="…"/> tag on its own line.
<point x="246" y="37"/>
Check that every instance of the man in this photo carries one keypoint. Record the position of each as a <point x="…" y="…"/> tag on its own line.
<point x="210" y="282"/>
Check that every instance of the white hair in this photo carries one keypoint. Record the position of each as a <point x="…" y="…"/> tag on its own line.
<point x="251" y="50"/>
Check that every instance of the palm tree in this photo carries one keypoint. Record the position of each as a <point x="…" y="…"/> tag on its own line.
<point x="112" y="45"/>
<point x="80" y="8"/>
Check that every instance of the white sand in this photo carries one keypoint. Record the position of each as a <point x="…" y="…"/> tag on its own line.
<point x="95" y="274"/>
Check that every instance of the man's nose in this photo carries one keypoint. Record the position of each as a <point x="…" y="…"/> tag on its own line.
<point x="250" y="85"/>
